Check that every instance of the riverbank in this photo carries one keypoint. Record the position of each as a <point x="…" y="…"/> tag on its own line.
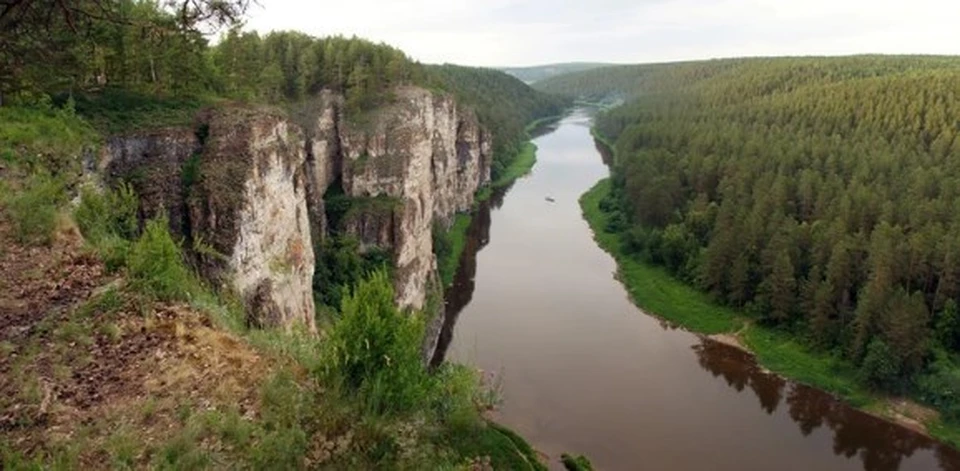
<point x="658" y="293"/>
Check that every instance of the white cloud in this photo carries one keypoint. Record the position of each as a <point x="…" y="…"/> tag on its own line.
<point x="514" y="32"/>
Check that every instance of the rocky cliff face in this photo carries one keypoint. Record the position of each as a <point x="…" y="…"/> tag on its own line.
<point x="251" y="184"/>
<point x="423" y="151"/>
<point x="237" y="183"/>
<point x="251" y="202"/>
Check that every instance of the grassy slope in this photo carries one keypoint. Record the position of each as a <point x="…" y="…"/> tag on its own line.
<point x="654" y="290"/>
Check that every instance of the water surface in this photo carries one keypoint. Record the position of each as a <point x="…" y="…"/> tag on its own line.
<point x="585" y="371"/>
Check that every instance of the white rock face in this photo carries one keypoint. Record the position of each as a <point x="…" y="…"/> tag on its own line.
<point x="273" y="260"/>
<point x="259" y="198"/>
<point x="425" y="152"/>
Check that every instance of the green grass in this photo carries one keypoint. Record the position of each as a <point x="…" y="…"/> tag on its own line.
<point x="116" y="110"/>
<point x="33" y="207"/>
<point x="519" y="166"/>
<point x="652" y="288"/>
<point x="457" y="240"/>
<point x="603" y="140"/>
<point x="780" y="352"/>
<point x="505" y="449"/>
<point x="43" y="136"/>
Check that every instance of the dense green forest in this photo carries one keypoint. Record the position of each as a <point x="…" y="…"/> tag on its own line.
<point x="821" y="195"/>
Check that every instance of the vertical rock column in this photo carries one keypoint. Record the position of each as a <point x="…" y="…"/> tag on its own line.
<point x="251" y="205"/>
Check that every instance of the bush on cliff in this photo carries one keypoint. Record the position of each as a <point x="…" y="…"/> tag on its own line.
<point x="373" y="350"/>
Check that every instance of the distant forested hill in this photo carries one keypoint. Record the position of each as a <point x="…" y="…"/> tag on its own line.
<point x="820" y="194"/>
<point x="504" y="104"/>
<point x="540" y="72"/>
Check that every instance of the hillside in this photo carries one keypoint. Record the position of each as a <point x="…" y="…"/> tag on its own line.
<point x="532" y="74"/>
<point x="221" y="256"/>
<point x="816" y="195"/>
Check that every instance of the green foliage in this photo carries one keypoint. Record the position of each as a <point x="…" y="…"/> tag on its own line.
<point x="940" y="386"/>
<point x="659" y="293"/>
<point x="775" y="187"/>
<point x="123" y="109"/>
<point x="520" y="165"/>
<point x="112" y="212"/>
<point x="156" y="266"/>
<point x="282" y="441"/>
<point x="41" y="137"/>
<point x="503" y="448"/>
<point x="33" y="207"/>
<point x="881" y="366"/>
<point x="340" y="266"/>
<point x="291" y="66"/>
<point x="109" y="222"/>
<point x="152" y="46"/>
<point x="651" y="287"/>
<point x="373" y="350"/>
<point x="448" y="246"/>
<point x="576" y="463"/>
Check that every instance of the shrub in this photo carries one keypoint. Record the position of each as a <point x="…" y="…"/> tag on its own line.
<point x="108" y="220"/>
<point x="33" y="209"/>
<point x="373" y="350"/>
<point x="340" y="266"/>
<point x="881" y="365"/>
<point x="156" y="264"/>
<point x="940" y="385"/>
<point x="111" y="213"/>
<point x="575" y="463"/>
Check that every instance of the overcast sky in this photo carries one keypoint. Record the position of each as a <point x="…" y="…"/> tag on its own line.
<point x="532" y="32"/>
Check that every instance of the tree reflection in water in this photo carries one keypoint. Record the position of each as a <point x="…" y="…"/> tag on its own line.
<point x="880" y="445"/>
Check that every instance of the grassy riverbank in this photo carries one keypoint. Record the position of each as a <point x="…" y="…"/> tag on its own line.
<point x="456" y="240"/>
<point x="656" y="292"/>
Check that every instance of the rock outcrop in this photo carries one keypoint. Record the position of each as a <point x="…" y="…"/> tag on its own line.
<point x="421" y="150"/>
<point x="250" y="183"/>
<point x="235" y="183"/>
<point x="250" y="203"/>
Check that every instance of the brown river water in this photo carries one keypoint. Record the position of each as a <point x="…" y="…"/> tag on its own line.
<point x="583" y="370"/>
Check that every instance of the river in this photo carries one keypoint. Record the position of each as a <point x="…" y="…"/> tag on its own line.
<point x="583" y="370"/>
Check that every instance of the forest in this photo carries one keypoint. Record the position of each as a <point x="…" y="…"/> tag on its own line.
<point x="132" y="63"/>
<point x="819" y="195"/>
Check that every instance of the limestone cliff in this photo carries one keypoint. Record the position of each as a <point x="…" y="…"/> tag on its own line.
<point x="250" y="183"/>
<point x="250" y="203"/>
<point x="235" y="182"/>
<point x="421" y="150"/>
